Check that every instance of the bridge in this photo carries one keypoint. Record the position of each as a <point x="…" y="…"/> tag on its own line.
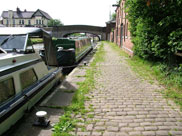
<point x="63" y="31"/>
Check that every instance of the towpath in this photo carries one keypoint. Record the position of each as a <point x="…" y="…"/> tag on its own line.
<point x="126" y="105"/>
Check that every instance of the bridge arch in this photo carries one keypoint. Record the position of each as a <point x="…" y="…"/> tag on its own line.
<point x="61" y="31"/>
<point x="95" y="35"/>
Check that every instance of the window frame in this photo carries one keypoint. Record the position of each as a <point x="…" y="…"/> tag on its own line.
<point x="37" y="22"/>
<point x="19" y="21"/>
<point x="29" y="22"/>
<point x="22" y="88"/>
<point x="23" y="22"/>
<point x="14" y="88"/>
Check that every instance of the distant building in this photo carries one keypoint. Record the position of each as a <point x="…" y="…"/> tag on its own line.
<point x="25" y="18"/>
<point x="123" y="38"/>
<point x="110" y="26"/>
<point x="119" y="32"/>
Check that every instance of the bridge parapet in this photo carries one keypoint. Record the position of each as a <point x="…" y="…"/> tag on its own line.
<point x="61" y="31"/>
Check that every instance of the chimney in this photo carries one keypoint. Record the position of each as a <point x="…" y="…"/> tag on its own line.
<point x="18" y="10"/>
<point x="10" y="14"/>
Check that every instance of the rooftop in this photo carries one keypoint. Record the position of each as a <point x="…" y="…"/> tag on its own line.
<point x="25" y="14"/>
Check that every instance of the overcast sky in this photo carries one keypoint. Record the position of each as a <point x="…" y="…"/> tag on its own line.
<point x="88" y="12"/>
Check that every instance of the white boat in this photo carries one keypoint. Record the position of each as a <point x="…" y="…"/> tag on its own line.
<point x="24" y="76"/>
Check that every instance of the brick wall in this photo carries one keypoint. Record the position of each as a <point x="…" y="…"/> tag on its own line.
<point x="122" y="34"/>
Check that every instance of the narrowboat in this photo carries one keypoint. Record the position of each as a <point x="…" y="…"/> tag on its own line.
<point x="68" y="52"/>
<point x="24" y="77"/>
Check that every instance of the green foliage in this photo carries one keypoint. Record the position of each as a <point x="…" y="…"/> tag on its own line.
<point x="118" y="2"/>
<point x="55" y="22"/>
<point x="77" y="35"/>
<point x="113" y="16"/>
<point x="175" y="41"/>
<point x="155" y="27"/>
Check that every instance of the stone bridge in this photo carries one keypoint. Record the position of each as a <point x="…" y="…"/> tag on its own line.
<point x="63" y="31"/>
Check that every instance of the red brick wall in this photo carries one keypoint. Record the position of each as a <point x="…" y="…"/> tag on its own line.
<point x="122" y="21"/>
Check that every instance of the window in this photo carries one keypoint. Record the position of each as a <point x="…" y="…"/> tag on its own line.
<point x="22" y="22"/>
<point x="127" y="30"/>
<point x="16" y="42"/>
<point x="29" y="22"/>
<point x="7" y="22"/>
<point x="40" y="21"/>
<point x="27" y="78"/>
<point x="37" y="21"/>
<point x="13" y="22"/>
<point x="7" y="89"/>
<point x="122" y="11"/>
<point x="124" y="31"/>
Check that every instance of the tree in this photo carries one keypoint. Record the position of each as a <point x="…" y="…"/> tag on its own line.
<point x="113" y="16"/>
<point x="155" y="26"/>
<point x="55" y="22"/>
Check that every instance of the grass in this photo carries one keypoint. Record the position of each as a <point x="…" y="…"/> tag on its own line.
<point x="155" y="72"/>
<point x="36" y="40"/>
<point x="67" y="122"/>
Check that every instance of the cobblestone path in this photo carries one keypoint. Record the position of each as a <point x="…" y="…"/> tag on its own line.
<point x="126" y="105"/>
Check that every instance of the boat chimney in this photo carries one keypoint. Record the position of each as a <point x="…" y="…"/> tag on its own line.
<point x="41" y="119"/>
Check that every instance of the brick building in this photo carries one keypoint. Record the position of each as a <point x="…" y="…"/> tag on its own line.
<point x="24" y="18"/>
<point x="121" y="33"/>
<point x="110" y="25"/>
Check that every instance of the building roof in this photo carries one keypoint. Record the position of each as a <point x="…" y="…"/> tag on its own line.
<point x="111" y="21"/>
<point x="25" y="14"/>
<point x="45" y="14"/>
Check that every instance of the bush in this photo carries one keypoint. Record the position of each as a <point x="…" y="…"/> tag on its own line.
<point x="155" y="27"/>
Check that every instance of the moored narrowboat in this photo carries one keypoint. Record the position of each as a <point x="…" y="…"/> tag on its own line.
<point x="69" y="52"/>
<point x="24" y="76"/>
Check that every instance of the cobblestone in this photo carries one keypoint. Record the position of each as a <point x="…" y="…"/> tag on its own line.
<point x="126" y="105"/>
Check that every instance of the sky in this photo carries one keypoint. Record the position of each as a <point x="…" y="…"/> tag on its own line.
<point x="70" y="12"/>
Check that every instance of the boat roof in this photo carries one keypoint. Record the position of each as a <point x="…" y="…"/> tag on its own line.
<point x="20" y="30"/>
<point x="11" y="60"/>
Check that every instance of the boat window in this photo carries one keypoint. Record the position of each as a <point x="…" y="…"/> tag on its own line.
<point x="2" y="38"/>
<point x="7" y="89"/>
<point x="13" y="42"/>
<point x="29" y="48"/>
<point x="27" y="78"/>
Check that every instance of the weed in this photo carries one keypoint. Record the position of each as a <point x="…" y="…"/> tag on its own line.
<point x="90" y="116"/>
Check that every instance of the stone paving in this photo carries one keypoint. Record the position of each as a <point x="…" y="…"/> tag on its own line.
<point x="126" y="105"/>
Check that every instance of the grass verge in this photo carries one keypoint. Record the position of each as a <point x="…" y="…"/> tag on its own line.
<point x="67" y="122"/>
<point x="156" y="71"/>
<point x="36" y="40"/>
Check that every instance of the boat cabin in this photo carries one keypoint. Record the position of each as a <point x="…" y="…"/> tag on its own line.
<point x="18" y="39"/>
<point x="24" y="76"/>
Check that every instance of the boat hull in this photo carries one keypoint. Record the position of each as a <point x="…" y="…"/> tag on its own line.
<point x="27" y="101"/>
